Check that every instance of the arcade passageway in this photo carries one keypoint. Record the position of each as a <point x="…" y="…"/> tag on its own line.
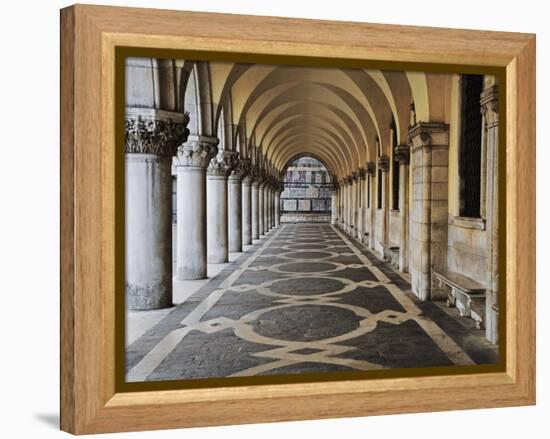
<point x="285" y="218"/>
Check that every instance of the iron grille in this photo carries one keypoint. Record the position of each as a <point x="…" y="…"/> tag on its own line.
<point x="470" y="147"/>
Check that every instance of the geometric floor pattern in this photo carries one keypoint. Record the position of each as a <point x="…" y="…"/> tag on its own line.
<point x="304" y="299"/>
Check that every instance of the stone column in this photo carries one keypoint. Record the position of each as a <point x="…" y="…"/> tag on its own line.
<point x="383" y="163"/>
<point x="347" y="209"/>
<point x="216" y="196"/>
<point x="255" y="205"/>
<point x="342" y="216"/>
<point x="353" y="204"/>
<point x="274" y="194"/>
<point x="334" y="208"/>
<point x="150" y="144"/>
<point x="192" y="161"/>
<point x="489" y="109"/>
<point x="234" y="200"/>
<point x="273" y="198"/>
<point x="269" y="193"/>
<point x="402" y="155"/>
<point x="265" y="208"/>
<point x="371" y="172"/>
<point x="360" y="204"/>
<point x="246" y="187"/>
<point x="261" y="223"/>
<point x="278" y="207"/>
<point x="429" y="210"/>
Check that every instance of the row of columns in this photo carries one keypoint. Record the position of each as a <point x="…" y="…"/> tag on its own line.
<point x="223" y="204"/>
<point x="358" y="210"/>
<point x="423" y="224"/>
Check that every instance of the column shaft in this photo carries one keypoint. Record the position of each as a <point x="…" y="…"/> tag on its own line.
<point x="277" y="208"/>
<point x="235" y="214"/>
<point x="429" y="210"/>
<point x="489" y="106"/>
<point x="148" y="222"/>
<point x="217" y="237"/>
<point x="191" y="223"/>
<point x="255" y="210"/>
<point x="246" y="188"/>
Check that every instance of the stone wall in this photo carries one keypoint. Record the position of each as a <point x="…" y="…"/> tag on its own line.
<point x="307" y="188"/>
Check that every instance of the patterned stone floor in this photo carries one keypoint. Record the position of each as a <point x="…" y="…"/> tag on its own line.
<point x="304" y="299"/>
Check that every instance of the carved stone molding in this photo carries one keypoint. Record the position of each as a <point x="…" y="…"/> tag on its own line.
<point x="241" y="169"/>
<point x="371" y="168"/>
<point x="489" y="105"/>
<point x="383" y="163"/>
<point x="155" y="135"/>
<point x="197" y="151"/>
<point x="222" y="163"/>
<point x="402" y="154"/>
<point x="429" y="134"/>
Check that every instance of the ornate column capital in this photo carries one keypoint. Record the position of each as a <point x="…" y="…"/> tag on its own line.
<point x="383" y="163"/>
<point x="348" y="180"/>
<point x="428" y="133"/>
<point x="158" y="133"/>
<point x="402" y="154"/>
<point x="355" y="175"/>
<point x="222" y="163"/>
<point x="489" y="105"/>
<point x="362" y="173"/>
<point x="371" y="168"/>
<point x="240" y="170"/>
<point x="197" y="151"/>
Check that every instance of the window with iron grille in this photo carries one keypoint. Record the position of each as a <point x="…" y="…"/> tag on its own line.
<point x="395" y="170"/>
<point x="470" y="147"/>
<point x="379" y="189"/>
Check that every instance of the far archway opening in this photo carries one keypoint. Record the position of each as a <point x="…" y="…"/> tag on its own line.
<point x="308" y="186"/>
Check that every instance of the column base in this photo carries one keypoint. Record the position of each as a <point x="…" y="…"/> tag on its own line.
<point x="156" y="296"/>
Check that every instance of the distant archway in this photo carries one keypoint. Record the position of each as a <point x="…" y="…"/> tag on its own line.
<point x="308" y="186"/>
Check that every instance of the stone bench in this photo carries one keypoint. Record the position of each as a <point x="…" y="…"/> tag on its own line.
<point x="391" y="254"/>
<point x="465" y="293"/>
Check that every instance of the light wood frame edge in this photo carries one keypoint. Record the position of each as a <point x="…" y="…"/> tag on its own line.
<point x="89" y="403"/>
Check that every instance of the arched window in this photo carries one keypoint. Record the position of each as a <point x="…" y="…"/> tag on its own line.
<point x="470" y="146"/>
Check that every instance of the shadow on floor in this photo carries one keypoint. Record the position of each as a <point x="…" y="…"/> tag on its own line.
<point x="49" y="419"/>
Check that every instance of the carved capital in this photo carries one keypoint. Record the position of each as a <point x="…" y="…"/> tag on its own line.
<point x="425" y="134"/>
<point x="371" y="168"/>
<point x="383" y="163"/>
<point x="355" y="175"/>
<point x="402" y="154"/>
<point x="362" y="173"/>
<point x="155" y="134"/>
<point x="222" y="163"/>
<point x="489" y="105"/>
<point x="240" y="170"/>
<point x="197" y="151"/>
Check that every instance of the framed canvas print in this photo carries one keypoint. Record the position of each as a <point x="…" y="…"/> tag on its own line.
<point x="269" y="219"/>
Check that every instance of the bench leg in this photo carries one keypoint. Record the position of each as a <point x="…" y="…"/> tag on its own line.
<point x="462" y="303"/>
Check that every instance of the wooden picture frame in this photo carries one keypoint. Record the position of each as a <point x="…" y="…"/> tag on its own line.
<point x="90" y="36"/>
